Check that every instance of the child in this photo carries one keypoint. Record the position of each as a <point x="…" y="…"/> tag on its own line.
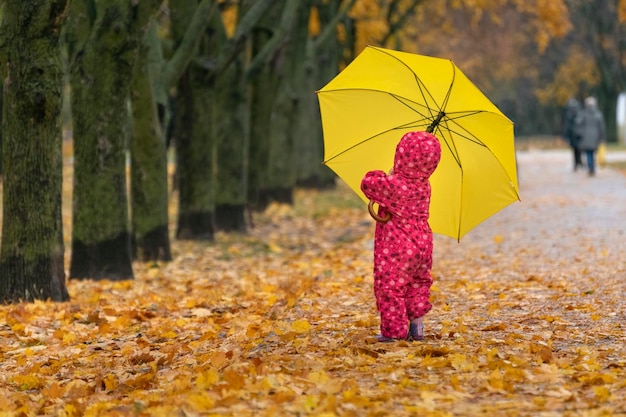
<point x="403" y="245"/>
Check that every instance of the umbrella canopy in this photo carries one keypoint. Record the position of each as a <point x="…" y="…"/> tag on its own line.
<point x="382" y="94"/>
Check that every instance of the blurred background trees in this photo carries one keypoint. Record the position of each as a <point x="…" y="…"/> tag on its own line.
<point x="223" y="93"/>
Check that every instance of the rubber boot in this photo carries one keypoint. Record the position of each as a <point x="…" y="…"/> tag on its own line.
<point x="416" y="329"/>
<point x="385" y="339"/>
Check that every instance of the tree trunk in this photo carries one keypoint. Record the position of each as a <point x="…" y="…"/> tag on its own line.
<point x="231" y="135"/>
<point x="31" y="257"/>
<point x="194" y="145"/>
<point x="152" y="81"/>
<point x="100" y="79"/>
<point x="283" y="158"/>
<point x="196" y="149"/>
<point x="149" y="191"/>
<point x="281" y="167"/>
<point x="321" y="64"/>
<point x="194" y="158"/>
<point x="309" y="146"/>
<point x="263" y="88"/>
<point x="1" y="98"/>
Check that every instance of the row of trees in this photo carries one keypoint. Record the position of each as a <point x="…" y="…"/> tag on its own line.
<point x="243" y="77"/>
<point x="230" y="85"/>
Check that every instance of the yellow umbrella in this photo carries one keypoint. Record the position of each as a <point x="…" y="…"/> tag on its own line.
<point x="382" y="94"/>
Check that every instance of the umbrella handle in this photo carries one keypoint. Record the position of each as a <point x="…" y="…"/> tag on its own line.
<point x="375" y="216"/>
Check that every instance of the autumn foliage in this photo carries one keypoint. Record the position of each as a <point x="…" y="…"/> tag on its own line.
<point x="281" y="322"/>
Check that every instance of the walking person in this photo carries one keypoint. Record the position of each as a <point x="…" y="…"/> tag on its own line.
<point x="569" y="132"/>
<point x="591" y="129"/>
<point x="403" y="240"/>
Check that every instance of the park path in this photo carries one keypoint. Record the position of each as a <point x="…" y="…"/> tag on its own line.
<point x="563" y="217"/>
<point x="561" y="251"/>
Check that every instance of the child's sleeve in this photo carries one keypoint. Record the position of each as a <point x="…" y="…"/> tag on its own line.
<point x="376" y="186"/>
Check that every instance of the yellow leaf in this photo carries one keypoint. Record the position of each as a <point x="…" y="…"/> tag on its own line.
<point x="300" y="343"/>
<point x="20" y="329"/>
<point x="71" y="410"/>
<point x="200" y="401"/>
<point x="514" y="374"/>
<point x="300" y="326"/>
<point x="122" y="322"/>
<point x="460" y="362"/>
<point x="268" y="382"/>
<point x="27" y="382"/>
<point x="349" y="393"/>
<point x="169" y="335"/>
<point x="207" y="378"/>
<point x="602" y="393"/>
<point x="69" y="338"/>
<point x="110" y="382"/>
<point x="310" y="403"/>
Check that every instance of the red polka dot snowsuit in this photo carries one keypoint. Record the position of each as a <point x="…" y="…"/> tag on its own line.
<point x="403" y="246"/>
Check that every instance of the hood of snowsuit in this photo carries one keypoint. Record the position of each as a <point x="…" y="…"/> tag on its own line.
<point x="417" y="155"/>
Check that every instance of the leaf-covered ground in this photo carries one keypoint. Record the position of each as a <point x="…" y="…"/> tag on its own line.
<point x="528" y="319"/>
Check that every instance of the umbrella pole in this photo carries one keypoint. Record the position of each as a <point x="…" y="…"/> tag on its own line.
<point x="435" y="122"/>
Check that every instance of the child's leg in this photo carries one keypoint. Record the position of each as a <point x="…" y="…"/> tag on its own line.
<point x="418" y="297"/>
<point x="392" y="308"/>
<point x="418" y="304"/>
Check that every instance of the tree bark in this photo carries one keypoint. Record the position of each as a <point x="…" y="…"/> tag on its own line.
<point x="149" y="190"/>
<point x="32" y="250"/>
<point x="100" y="77"/>
<point x="1" y="100"/>
<point x="231" y="136"/>
<point x="321" y="64"/>
<point x="152" y="81"/>
<point x="278" y="170"/>
<point x="194" y="159"/>
<point x="194" y="144"/>
<point x="309" y="146"/>
<point x="264" y="83"/>
<point x="194" y="130"/>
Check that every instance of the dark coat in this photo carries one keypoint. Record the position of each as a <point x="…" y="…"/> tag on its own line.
<point x="590" y="127"/>
<point x="569" y="122"/>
